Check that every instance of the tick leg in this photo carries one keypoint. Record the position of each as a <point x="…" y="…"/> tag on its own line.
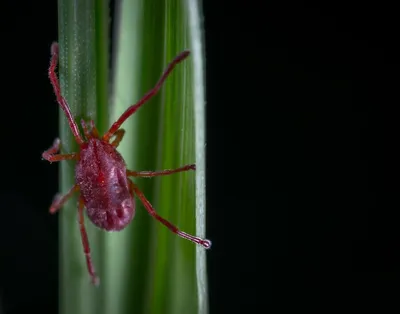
<point x="60" y="99"/>
<point x="119" y="135"/>
<point x="203" y="242"/>
<point x="132" y="109"/>
<point x="59" y="200"/>
<point x="49" y="154"/>
<point x="149" y="174"/>
<point x="85" y="243"/>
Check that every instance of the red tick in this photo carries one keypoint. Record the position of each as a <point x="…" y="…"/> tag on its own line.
<point x="101" y="175"/>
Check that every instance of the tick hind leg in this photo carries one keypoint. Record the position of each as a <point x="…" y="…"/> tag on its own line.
<point x="59" y="200"/>
<point x="85" y="243"/>
<point x="149" y="174"/>
<point x="203" y="242"/>
<point x="52" y="156"/>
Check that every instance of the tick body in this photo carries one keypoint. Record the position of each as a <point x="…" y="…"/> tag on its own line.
<point x="101" y="176"/>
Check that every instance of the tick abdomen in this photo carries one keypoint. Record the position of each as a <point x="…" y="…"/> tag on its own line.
<point x="101" y="176"/>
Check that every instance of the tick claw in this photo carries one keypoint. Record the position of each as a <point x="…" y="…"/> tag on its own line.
<point x="54" y="48"/>
<point x="54" y="206"/>
<point x="96" y="281"/>
<point x="206" y="244"/>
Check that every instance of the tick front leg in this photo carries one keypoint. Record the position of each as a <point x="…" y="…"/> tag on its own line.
<point x="132" y="109"/>
<point x="49" y="154"/>
<point x="203" y="242"/>
<point x="85" y="243"/>
<point x="119" y="135"/>
<point x="59" y="200"/>
<point x="149" y="174"/>
<point x="60" y="99"/>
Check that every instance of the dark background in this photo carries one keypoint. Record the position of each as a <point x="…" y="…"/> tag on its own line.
<point x="302" y="156"/>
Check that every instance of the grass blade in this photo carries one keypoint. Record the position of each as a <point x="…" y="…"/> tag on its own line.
<point x="194" y="13"/>
<point x="83" y="72"/>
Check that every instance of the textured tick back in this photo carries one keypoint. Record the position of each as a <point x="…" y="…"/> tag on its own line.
<point x="101" y="176"/>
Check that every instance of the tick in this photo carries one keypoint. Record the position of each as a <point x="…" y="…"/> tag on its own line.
<point x="101" y="176"/>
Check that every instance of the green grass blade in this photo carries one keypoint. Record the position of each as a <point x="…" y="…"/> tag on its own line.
<point x="149" y="269"/>
<point x="194" y="13"/>
<point x="83" y="72"/>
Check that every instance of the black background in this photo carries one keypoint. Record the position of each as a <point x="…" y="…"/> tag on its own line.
<point x="302" y="139"/>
